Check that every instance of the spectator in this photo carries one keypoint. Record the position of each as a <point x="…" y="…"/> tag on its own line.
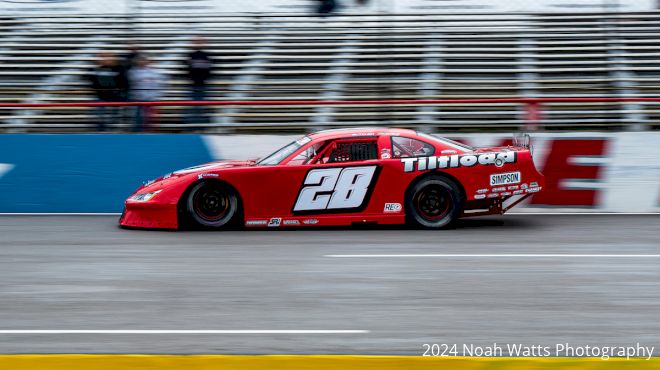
<point x="199" y="70"/>
<point x="326" y="7"/>
<point x="147" y="85"/>
<point x="108" y="80"/>
<point x="128" y="61"/>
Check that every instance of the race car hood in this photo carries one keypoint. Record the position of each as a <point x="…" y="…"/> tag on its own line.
<point x="200" y="170"/>
<point x="212" y="166"/>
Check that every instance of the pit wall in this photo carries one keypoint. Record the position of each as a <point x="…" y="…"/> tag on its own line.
<point x="585" y="172"/>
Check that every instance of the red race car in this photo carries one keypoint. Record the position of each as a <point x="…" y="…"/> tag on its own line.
<point x="343" y="177"/>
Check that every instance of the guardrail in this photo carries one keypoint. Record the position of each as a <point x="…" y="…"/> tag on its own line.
<point x="534" y="111"/>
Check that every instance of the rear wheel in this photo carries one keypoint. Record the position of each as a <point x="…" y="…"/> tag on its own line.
<point x="434" y="203"/>
<point x="212" y="204"/>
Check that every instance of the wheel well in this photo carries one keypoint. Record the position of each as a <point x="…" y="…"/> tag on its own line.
<point x="440" y="174"/>
<point x="182" y="215"/>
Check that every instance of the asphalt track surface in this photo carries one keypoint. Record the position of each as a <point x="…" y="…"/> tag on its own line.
<point x="84" y="273"/>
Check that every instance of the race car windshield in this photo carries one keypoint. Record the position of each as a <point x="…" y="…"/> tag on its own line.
<point x="283" y="153"/>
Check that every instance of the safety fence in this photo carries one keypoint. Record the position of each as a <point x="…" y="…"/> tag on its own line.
<point x="174" y="116"/>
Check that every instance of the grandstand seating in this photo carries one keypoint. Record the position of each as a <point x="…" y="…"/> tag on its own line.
<point x="349" y="57"/>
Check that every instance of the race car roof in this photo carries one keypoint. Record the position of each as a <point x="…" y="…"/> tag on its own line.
<point x="360" y="131"/>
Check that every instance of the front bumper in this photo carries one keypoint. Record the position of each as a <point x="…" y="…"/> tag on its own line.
<point x="149" y="215"/>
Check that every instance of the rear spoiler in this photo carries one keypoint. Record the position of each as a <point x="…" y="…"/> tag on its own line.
<point x="522" y="140"/>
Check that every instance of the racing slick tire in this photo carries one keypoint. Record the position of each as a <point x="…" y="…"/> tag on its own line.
<point x="212" y="204"/>
<point x="434" y="202"/>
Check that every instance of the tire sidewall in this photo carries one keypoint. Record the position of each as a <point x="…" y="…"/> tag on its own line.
<point x="454" y="194"/>
<point x="227" y="220"/>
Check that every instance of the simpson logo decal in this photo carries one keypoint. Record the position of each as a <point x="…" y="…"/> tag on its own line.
<point x="256" y="223"/>
<point x="275" y="222"/>
<point x="335" y="189"/>
<point x="456" y="161"/>
<point x="392" y="208"/>
<point x="505" y="178"/>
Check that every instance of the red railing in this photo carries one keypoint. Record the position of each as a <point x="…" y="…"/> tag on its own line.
<point x="337" y="102"/>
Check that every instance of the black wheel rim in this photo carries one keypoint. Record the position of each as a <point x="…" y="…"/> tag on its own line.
<point x="211" y="204"/>
<point x="433" y="202"/>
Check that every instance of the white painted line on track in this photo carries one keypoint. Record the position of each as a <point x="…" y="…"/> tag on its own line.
<point x="514" y="213"/>
<point x="492" y="255"/>
<point x="579" y="213"/>
<point x="131" y="331"/>
<point x="60" y="214"/>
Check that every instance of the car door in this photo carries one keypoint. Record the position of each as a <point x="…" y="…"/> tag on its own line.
<point x="339" y="179"/>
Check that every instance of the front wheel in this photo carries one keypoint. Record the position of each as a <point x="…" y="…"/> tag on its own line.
<point x="212" y="204"/>
<point x="434" y="203"/>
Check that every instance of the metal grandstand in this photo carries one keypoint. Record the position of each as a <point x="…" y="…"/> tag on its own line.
<point x="350" y="57"/>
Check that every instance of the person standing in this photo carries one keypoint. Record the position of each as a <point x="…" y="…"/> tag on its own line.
<point x="147" y="85"/>
<point x="108" y="80"/>
<point x="199" y="68"/>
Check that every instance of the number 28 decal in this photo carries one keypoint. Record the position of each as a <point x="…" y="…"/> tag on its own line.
<point x="335" y="188"/>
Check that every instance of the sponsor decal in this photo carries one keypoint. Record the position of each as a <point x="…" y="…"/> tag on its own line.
<point x="480" y="196"/>
<point x="205" y="175"/>
<point x="505" y="178"/>
<point x="197" y="168"/>
<point x="482" y="191"/>
<point x="514" y="187"/>
<point x="335" y="189"/>
<point x="448" y="151"/>
<point x="256" y="223"/>
<point x="291" y="222"/>
<point x="505" y="194"/>
<point x="456" y="161"/>
<point x="275" y="222"/>
<point x="533" y="190"/>
<point x="518" y="192"/>
<point x="493" y="195"/>
<point x="524" y="186"/>
<point x="385" y="153"/>
<point x="498" y="189"/>
<point x="392" y="208"/>
<point x="533" y="185"/>
<point x="311" y="221"/>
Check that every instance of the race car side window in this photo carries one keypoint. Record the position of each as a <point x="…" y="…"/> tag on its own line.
<point x="341" y="151"/>
<point x="306" y="155"/>
<point x="405" y="147"/>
